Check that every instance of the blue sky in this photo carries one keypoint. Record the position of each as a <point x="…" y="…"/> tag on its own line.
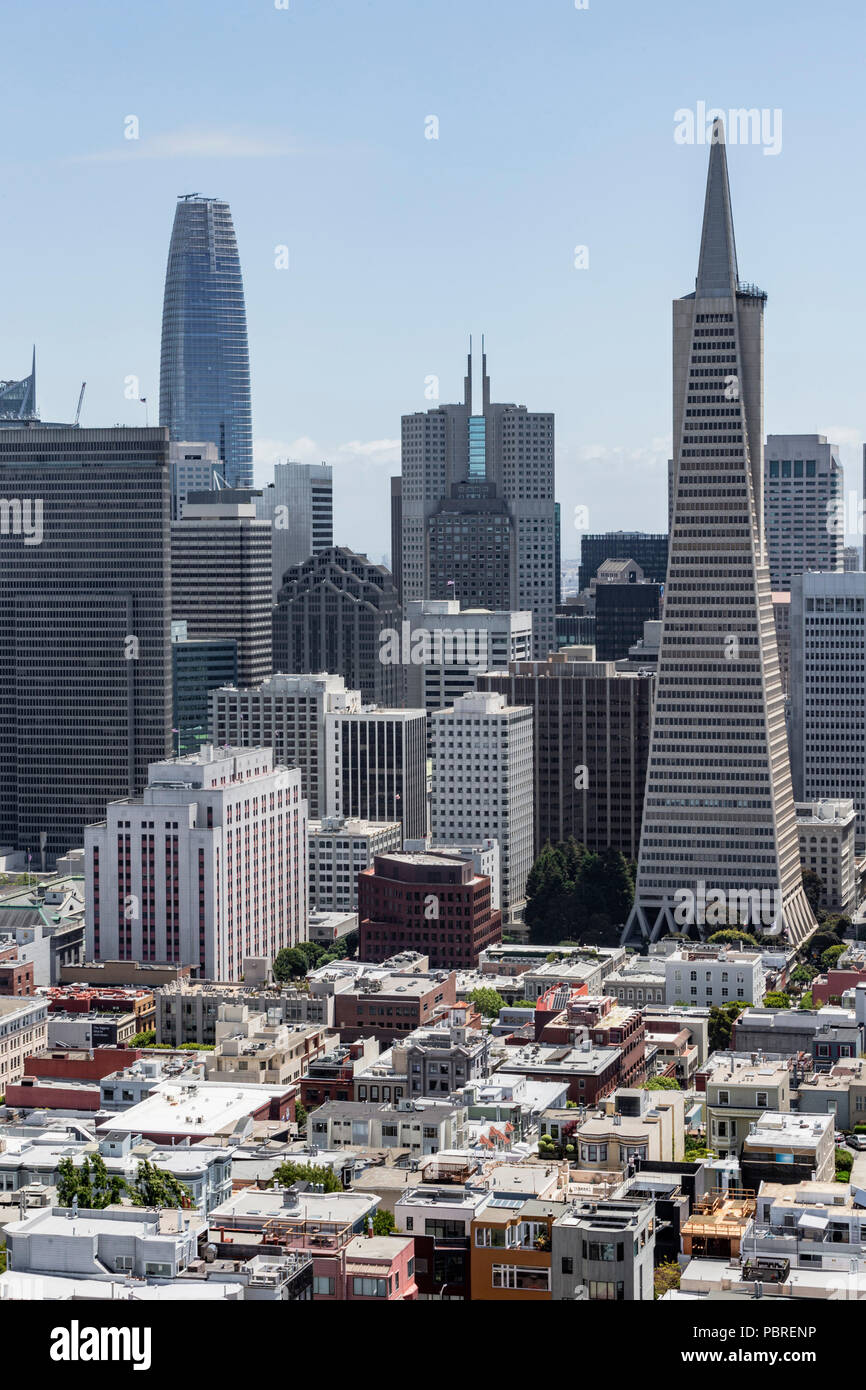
<point x="556" y="129"/>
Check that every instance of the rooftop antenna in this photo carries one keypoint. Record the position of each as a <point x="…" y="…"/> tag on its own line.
<point x="80" y="399"/>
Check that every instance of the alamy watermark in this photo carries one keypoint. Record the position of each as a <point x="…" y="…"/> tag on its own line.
<point x="22" y="516"/>
<point x="720" y="907"/>
<point x="741" y="126"/>
<point x="463" y="646"/>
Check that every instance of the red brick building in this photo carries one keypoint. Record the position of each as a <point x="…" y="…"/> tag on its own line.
<point x="389" y="1005"/>
<point x="431" y="903"/>
<point x="16" y="977"/>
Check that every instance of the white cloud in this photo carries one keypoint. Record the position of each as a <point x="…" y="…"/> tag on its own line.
<point x="193" y="144"/>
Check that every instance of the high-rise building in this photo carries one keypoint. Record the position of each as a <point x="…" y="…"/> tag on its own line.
<point x="18" y="398"/>
<point x="194" y="468"/>
<point x="286" y="713"/>
<point x="478" y="520"/>
<point x="204" y="380"/>
<point x="85" y="659"/>
<point x="782" y="621"/>
<point x="431" y="902"/>
<point x="209" y="866"/>
<point x="648" y="551"/>
<point x="338" y="849"/>
<point x="804" y="499"/>
<point x="719" y="811"/>
<point x="624" y="601"/>
<point x="330" y="614"/>
<point x="221" y="576"/>
<point x="376" y="766"/>
<point x="851" y="559"/>
<point x="828" y="690"/>
<point x="482" y="784"/>
<point x="198" y="667"/>
<point x="299" y="504"/>
<point x="590" y="743"/>
<point x="449" y="646"/>
<point x="397" y="534"/>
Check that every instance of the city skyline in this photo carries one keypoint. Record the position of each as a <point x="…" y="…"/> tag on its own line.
<point x="336" y="316"/>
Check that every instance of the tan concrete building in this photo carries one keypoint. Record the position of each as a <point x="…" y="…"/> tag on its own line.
<point x="23" y="1030"/>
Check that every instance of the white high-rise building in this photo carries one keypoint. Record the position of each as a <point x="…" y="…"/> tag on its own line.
<point x="194" y="468"/>
<point x="376" y="766"/>
<point x="299" y="504"/>
<point x="828" y="690"/>
<point x="287" y="714"/>
<point x="718" y="807"/>
<point x="482" y="784"/>
<point x="207" y="867"/>
<point x="483" y="856"/>
<point x="804" y="487"/>
<point x="338" y="849"/>
<point x="448" y="647"/>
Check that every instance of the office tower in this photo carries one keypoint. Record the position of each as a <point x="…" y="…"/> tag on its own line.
<point x="85" y="660"/>
<point x="198" y="667"/>
<point x="557" y="562"/>
<point x="333" y="613"/>
<point x="221" y="576"/>
<point x="18" y="398"/>
<point x="482" y="784"/>
<point x="286" y="713"/>
<point x="828" y="690"/>
<point x="397" y="534"/>
<point x="299" y="504"/>
<point x="194" y="468"/>
<point x="624" y="601"/>
<point x="574" y="623"/>
<point x="376" y="767"/>
<point x="827" y="832"/>
<point x="431" y="902"/>
<point x="719" y="811"/>
<point x="207" y="867"/>
<point x="648" y="551"/>
<point x="484" y="855"/>
<point x="804" y="499"/>
<point x="204" y="378"/>
<point x="478" y="509"/>
<point x="338" y="848"/>
<point x="448" y="647"/>
<point x="591" y="726"/>
<point x="782" y="623"/>
<point x="850" y="559"/>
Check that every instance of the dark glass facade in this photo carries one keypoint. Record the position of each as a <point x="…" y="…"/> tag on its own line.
<point x="204" y="385"/>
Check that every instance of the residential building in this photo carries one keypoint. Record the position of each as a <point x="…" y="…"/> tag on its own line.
<point x="286" y="713"/>
<point x="330" y="612"/>
<point x="339" y="849"/>
<point x="482" y="784"/>
<point x="828" y="1034"/>
<point x="187" y="1011"/>
<point x="432" y="902"/>
<point x="204" y="383"/>
<point x="604" y="1251"/>
<point x="828" y="690"/>
<point x="331" y="1076"/>
<point x="440" y="1220"/>
<point x="804" y="499"/>
<point x="827" y="836"/>
<point x="376" y="767"/>
<point x="718" y="805"/>
<point x="788" y="1148"/>
<point x="738" y="1092"/>
<point x="299" y="504"/>
<point x="23" y="1029"/>
<point x="477" y="507"/>
<point x="85" y="665"/>
<point x="422" y="1127"/>
<point x="221" y="576"/>
<point x="714" y="976"/>
<point x="648" y="551"/>
<point x="254" y="1047"/>
<point x="208" y="867"/>
<point x="510" y="1255"/>
<point x="591" y="727"/>
<point x="385" y="1002"/>
<point x="151" y="1244"/>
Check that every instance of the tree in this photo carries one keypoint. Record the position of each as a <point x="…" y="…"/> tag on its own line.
<point x="732" y="936"/>
<point x="662" y="1083"/>
<point x="721" y="1024"/>
<point x="803" y="975"/>
<point x="572" y="892"/>
<point x="301" y="1113"/>
<point x="806" y="1000"/>
<point x="383" y="1222"/>
<point x="152" y="1187"/>
<point x="777" y="999"/>
<point x="289" y="964"/>
<point x="288" y="1173"/>
<point x="666" y="1276"/>
<point x="813" y="887"/>
<point x="145" y="1039"/>
<point x="831" y="956"/>
<point x="487" y="1001"/>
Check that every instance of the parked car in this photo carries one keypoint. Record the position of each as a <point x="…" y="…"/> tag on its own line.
<point x="856" y="1141"/>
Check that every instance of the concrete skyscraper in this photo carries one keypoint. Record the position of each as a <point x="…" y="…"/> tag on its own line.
<point x="299" y="504"/>
<point x="719" y="835"/>
<point x="204" y="379"/>
<point x="804" y="486"/>
<point x="478" y="513"/>
<point x="85" y="656"/>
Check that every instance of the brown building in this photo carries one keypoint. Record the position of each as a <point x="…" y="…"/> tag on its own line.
<point x="431" y="903"/>
<point x="388" y="1005"/>
<point x="16" y="977"/>
<point x="590" y="745"/>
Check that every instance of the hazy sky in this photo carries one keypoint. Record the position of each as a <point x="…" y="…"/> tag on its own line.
<point x="555" y="130"/>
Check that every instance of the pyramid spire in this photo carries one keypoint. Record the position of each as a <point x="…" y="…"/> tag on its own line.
<point x="717" y="267"/>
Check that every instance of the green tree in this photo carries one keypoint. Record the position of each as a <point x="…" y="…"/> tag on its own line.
<point x="383" y="1222"/>
<point x="813" y="887"/>
<point x="722" y="1018"/>
<point x="290" y="1172"/>
<point x="152" y="1187"/>
<point x="803" y="975"/>
<point x="289" y="964"/>
<point x="662" y="1083"/>
<point x="301" y="1113"/>
<point x="145" y="1039"/>
<point x="777" y="999"/>
<point x="487" y="1001"/>
<point x="732" y="936"/>
<point x="806" y="1000"/>
<point x="666" y="1276"/>
<point x="831" y="956"/>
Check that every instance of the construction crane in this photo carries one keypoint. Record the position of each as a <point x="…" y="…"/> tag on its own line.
<point x="80" y="399"/>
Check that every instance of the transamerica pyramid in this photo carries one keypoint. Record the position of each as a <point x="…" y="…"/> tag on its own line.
<point x="719" y="841"/>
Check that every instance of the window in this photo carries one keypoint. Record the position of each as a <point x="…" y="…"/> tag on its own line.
<point x="370" y="1288"/>
<point x="491" y="1236"/>
<point x="567" y="1264"/>
<point x="159" y="1271"/>
<point x="323" y="1285"/>
<point x="514" y="1277"/>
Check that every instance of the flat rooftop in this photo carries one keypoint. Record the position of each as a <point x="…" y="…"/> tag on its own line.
<point x="200" y="1108"/>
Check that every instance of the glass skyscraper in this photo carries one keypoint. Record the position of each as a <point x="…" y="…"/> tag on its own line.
<point x="204" y="384"/>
